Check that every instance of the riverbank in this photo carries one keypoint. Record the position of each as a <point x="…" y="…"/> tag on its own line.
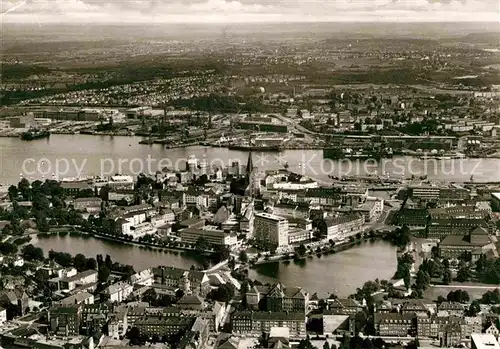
<point x="475" y="290"/>
<point x="104" y="155"/>
<point x="152" y="246"/>
<point x="340" y="272"/>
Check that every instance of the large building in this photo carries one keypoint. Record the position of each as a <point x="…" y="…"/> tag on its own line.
<point x="442" y="194"/>
<point x="25" y="121"/>
<point x="153" y="324"/>
<point x="213" y="236"/>
<point x="84" y="278"/>
<point x="278" y="298"/>
<point x="75" y="114"/>
<point x="342" y="227"/>
<point x="118" y="292"/>
<point x="472" y="245"/>
<point x="460" y="220"/>
<point x="65" y="321"/>
<point x="194" y="280"/>
<point x="395" y="324"/>
<point x="271" y="229"/>
<point x="412" y="217"/>
<point x="256" y="323"/>
<point x="431" y="327"/>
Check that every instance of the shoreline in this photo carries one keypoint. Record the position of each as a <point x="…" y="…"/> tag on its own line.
<point x="83" y="234"/>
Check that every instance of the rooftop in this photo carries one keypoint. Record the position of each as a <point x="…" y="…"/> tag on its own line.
<point x="270" y="216"/>
<point x="485" y="341"/>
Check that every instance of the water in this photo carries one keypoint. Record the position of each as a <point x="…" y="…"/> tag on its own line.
<point x="341" y="273"/>
<point x="139" y="258"/>
<point x="86" y="155"/>
<point x="72" y="155"/>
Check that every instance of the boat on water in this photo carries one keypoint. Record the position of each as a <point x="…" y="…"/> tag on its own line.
<point x="34" y="134"/>
<point x="362" y="154"/>
<point x="447" y="156"/>
<point x="247" y="147"/>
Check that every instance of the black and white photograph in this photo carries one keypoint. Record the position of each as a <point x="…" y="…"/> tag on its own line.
<point x="249" y="174"/>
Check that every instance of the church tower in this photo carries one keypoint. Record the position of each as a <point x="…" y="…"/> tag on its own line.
<point x="249" y="169"/>
<point x="250" y="181"/>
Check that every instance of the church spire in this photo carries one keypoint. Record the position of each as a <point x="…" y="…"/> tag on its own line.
<point x="249" y="177"/>
<point x="249" y="168"/>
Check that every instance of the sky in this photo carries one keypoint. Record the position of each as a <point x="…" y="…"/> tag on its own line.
<point x="247" y="11"/>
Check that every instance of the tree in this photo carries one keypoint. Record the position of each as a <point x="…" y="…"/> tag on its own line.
<point x="108" y="262"/>
<point x="150" y="296"/>
<point x="491" y="297"/>
<point x="447" y="277"/>
<point x="301" y="250"/>
<point x="224" y="293"/>
<point x="13" y="192"/>
<point x="24" y="188"/>
<point x="7" y="248"/>
<point x="460" y="296"/>
<point x="463" y="274"/>
<point x="32" y="253"/>
<point x="245" y="287"/>
<point x="243" y="256"/>
<point x="326" y="345"/>
<point x="407" y="280"/>
<point x="79" y="262"/>
<point x="222" y="252"/>
<point x="305" y="344"/>
<point x="103" y="274"/>
<point x="134" y="335"/>
<point x="481" y="263"/>
<point x="61" y="258"/>
<point x="446" y="263"/>
<point x="423" y="280"/>
<point x="202" y="244"/>
<point x="90" y="263"/>
<point x="474" y="308"/>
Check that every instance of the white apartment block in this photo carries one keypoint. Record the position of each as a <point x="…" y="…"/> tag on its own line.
<point x="271" y="228"/>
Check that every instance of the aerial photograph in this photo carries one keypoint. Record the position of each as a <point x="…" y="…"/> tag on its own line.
<point x="249" y="174"/>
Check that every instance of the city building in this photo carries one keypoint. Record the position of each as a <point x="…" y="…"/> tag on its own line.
<point x="78" y="298"/>
<point x="484" y="341"/>
<point x="161" y="325"/>
<point x="344" y="306"/>
<point x="414" y="306"/>
<point x="450" y="309"/>
<point x="24" y="121"/>
<point x="90" y="204"/>
<point x="143" y="278"/>
<point x="271" y="229"/>
<point x="84" y="278"/>
<point x="65" y="321"/>
<point x="256" y="323"/>
<point x="278" y="298"/>
<point x="118" y="292"/>
<point x="450" y="335"/>
<point x="213" y="235"/>
<point x="338" y="324"/>
<point x="344" y="226"/>
<point x="299" y="235"/>
<point x="370" y="209"/>
<point x="394" y="324"/>
<point x="472" y="245"/>
<point x="412" y="217"/>
<point x="192" y="280"/>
